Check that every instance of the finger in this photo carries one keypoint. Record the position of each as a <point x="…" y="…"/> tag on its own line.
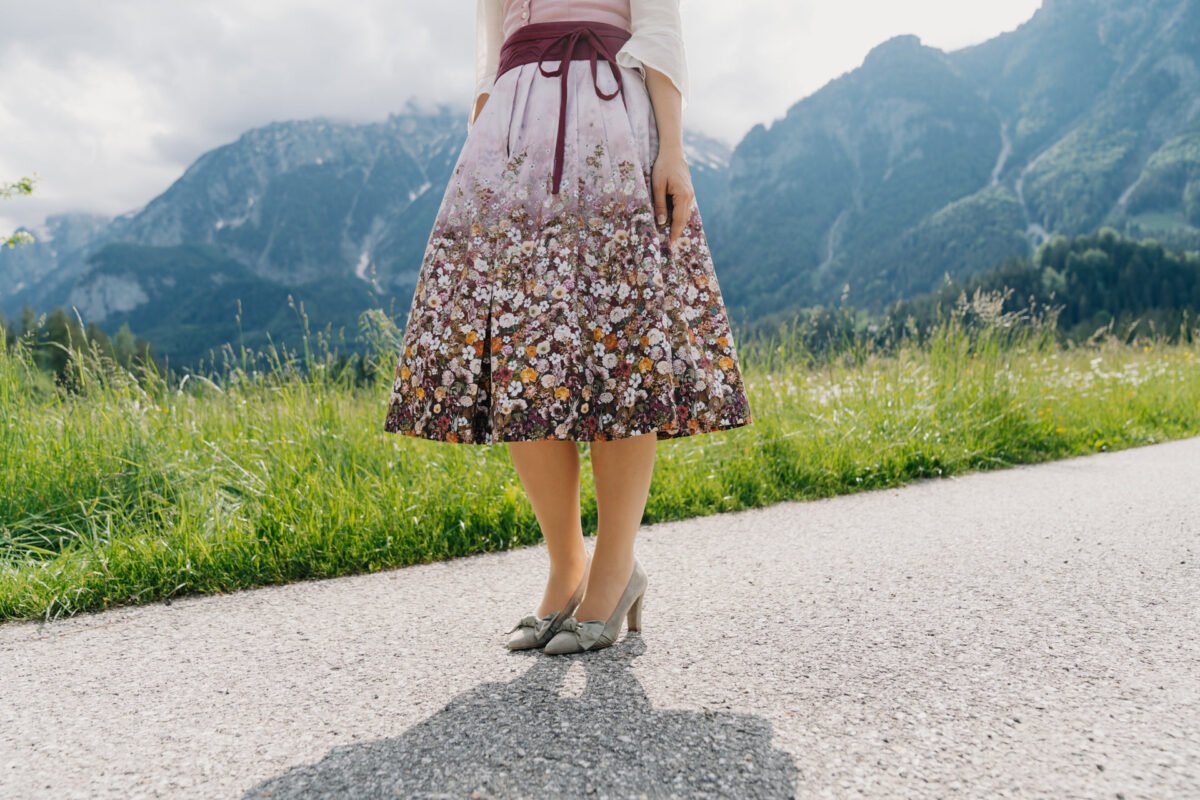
<point x="680" y="213"/>
<point x="660" y="200"/>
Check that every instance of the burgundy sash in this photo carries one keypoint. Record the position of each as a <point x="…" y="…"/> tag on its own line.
<point x="565" y="41"/>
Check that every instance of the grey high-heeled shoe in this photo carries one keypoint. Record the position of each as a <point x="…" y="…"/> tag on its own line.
<point x="575" y="636"/>
<point x="533" y="631"/>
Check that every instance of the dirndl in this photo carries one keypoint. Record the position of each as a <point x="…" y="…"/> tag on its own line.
<point x="542" y="315"/>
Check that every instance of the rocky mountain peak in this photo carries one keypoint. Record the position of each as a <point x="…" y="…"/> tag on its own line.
<point x="898" y="48"/>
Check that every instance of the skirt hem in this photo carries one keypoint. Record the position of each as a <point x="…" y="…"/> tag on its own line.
<point x="451" y="437"/>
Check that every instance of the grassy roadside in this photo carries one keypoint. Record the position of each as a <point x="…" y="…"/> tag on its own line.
<point x="124" y="491"/>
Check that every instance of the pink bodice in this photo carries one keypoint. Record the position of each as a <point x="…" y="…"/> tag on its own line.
<point x="518" y="13"/>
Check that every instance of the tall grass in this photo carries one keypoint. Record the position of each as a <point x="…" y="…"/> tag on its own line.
<point x="120" y="487"/>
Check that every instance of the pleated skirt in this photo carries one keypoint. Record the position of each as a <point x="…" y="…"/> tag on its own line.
<point x="563" y="316"/>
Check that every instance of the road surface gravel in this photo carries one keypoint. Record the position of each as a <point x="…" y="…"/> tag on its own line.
<point x="1027" y="632"/>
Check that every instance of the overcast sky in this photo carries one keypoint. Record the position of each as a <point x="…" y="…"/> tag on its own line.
<point x="110" y="100"/>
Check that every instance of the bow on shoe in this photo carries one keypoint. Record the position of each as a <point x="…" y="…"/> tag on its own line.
<point x="587" y="633"/>
<point x="539" y="625"/>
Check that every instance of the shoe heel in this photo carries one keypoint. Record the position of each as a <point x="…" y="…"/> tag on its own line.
<point x="634" y="618"/>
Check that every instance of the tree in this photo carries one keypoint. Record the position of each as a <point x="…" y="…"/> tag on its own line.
<point x="29" y="321"/>
<point x="63" y="335"/>
<point x="99" y="338"/>
<point x="124" y="346"/>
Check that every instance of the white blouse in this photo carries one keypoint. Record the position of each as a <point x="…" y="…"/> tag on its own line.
<point x="656" y="41"/>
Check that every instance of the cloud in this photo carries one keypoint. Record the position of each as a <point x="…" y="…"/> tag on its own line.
<point x="111" y="101"/>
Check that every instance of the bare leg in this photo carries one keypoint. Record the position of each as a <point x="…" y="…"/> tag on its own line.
<point x="549" y="471"/>
<point x="622" y="469"/>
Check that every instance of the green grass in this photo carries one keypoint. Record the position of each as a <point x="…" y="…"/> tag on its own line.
<point x="128" y="489"/>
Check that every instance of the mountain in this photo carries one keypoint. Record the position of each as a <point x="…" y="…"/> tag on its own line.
<point x="189" y="300"/>
<point x="25" y="269"/>
<point x="917" y="165"/>
<point x="293" y="202"/>
<point x="335" y="212"/>
<point x="708" y="162"/>
<point x="922" y="163"/>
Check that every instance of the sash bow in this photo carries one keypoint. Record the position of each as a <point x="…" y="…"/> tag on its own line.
<point x="561" y="40"/>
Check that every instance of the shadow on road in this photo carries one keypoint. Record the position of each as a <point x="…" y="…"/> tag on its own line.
<point x="522" y="739"/>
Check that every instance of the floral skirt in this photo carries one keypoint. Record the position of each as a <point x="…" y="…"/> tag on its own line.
<point x="563" y="316"/>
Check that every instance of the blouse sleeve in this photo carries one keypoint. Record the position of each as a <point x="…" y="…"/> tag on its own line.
<point x="489" y="38"/>
<point x="657" y="41"/>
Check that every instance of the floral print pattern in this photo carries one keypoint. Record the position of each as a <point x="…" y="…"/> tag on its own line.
<point x="563" y="316"/>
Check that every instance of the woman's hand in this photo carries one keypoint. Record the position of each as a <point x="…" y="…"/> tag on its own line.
<point x="671" y="176"/>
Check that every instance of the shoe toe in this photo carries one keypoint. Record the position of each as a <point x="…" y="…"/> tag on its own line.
<point x="562" y="642"/>
<point x="522" y="639"/>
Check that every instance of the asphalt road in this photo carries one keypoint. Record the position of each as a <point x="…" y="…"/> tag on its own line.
<point x="1030" y="632"/>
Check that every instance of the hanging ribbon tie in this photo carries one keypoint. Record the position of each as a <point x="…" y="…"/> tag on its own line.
<point x="566" y="42"/>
